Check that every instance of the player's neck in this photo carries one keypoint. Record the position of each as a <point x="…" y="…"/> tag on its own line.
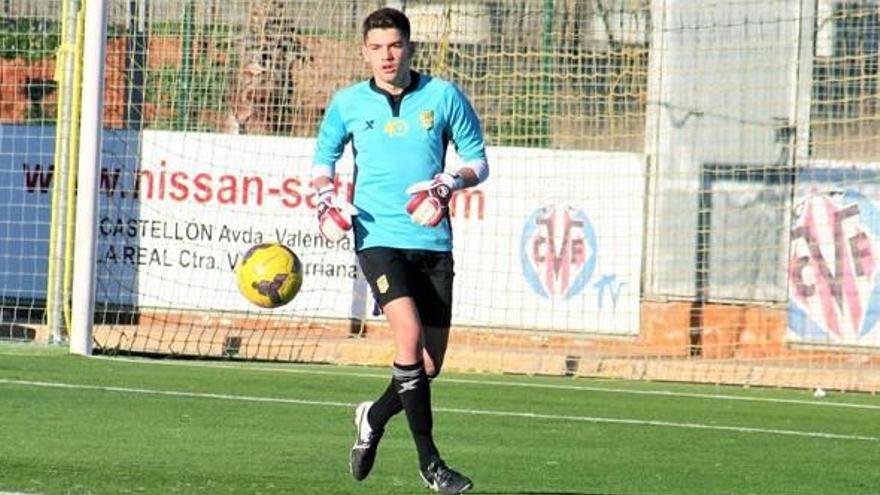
<point x="398" y="85"/>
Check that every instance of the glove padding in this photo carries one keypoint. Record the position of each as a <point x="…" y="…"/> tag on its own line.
<point x="429" y="199"/>
<point x="334" y="215"/>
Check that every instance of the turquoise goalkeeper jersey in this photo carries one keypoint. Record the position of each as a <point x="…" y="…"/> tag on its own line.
<point x="396" y="143"/>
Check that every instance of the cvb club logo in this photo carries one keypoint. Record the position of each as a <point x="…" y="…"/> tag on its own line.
<point x="834" y="292"/>
<point x="558" y="251"/>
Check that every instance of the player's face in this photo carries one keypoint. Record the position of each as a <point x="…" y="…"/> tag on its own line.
<point x="388" y="55"/>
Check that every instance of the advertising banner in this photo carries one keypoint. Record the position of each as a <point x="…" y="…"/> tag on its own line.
<point x="552" y="241"/>
<point x="834" y="274"/>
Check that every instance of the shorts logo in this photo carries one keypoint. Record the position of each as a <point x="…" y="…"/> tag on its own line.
<point x="558" y="251"/>
<point x="382" y="284"/>
<point x="396" y="128"/>
<point x="427" y="119"/>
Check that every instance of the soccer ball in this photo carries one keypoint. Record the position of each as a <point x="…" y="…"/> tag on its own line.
<point x="269" y="275"/>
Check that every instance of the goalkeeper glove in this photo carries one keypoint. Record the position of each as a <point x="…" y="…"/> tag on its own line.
<point x="334" y="214"/>
<point x="429" y="199"/>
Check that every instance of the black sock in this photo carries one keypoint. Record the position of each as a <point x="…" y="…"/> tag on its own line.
<point x="386" y="406"/>
<point x="414" y="391"/>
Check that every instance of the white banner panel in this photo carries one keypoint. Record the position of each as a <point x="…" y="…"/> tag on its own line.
<point x="175" y="228"/>
<point x="559" y="245"/>
<point x="552" y="241"/>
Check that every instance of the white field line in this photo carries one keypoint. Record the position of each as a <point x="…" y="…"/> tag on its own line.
<point x="496" y="383"/>
<point x="473" y="412"/>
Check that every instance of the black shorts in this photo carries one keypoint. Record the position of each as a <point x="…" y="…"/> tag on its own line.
<point x="424" y="275"/>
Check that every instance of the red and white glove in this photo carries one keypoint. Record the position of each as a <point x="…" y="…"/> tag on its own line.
<point x="429" y="199"/>
<point x="334" y="214"/>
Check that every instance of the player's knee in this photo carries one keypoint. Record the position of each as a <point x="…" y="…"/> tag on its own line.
<point x="432" y="370"/>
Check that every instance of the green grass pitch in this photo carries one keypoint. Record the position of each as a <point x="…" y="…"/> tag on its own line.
<point x="74" y="425"/>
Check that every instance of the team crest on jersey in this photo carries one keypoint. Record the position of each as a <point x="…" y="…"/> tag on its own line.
<point x="427" y="119"/>
<point x="396" y="128"/>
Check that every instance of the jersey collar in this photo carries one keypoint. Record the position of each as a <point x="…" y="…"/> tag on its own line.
<point x="413" y="84"/>
<point x="394" y="100"/>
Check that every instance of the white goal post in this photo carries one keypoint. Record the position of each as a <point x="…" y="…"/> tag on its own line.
<point x="91" y="127"/>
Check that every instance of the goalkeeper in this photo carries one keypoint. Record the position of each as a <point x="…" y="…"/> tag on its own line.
<point x="400" y="123"/>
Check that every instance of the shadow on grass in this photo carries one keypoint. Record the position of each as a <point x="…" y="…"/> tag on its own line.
<point x="538" y="492"/>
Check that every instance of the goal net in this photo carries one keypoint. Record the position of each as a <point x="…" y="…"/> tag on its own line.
<point x="678" y="191"/>
<point x="212" y="153"/>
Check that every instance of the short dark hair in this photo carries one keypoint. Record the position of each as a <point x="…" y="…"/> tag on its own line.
<point x="387" y="18"/>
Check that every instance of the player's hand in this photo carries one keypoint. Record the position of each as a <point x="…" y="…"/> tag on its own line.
<point x="334" y="214"/>
<point x="429" y="200"/>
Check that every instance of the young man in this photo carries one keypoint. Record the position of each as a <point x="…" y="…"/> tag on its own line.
<point x="400" y="123"/>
